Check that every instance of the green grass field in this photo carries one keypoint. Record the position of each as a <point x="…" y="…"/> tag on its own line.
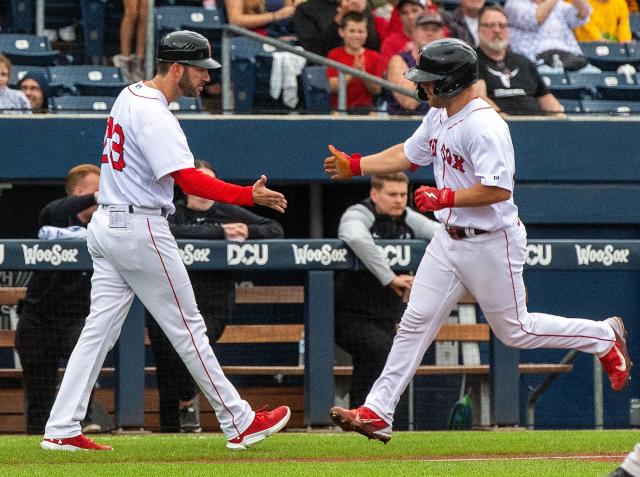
<point x="468" y="454"/>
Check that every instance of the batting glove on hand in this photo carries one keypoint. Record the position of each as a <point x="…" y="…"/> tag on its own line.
<point x="342" y="165"/>
<point x="430" y="199"/>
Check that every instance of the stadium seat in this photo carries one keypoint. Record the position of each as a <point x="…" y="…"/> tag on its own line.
<point x="621" y="108"/>
<point x="571" y="106"/>
<point x="606" y="56"/>
<point x="316" y="89"/>
<point x="560" y="86"/>
<point x="21" y="16"/>
<point x="18" y="71"/>
<point x="88" y="80"/>
<point x="93" y="30"/>
<point x="187" y="105"/>
<point x="633" y="53"/>
<point x="634" y="24"/>
<point x="244" y="70"/>
<point x="172" y="18"/>
<point x="75" y="104"/>
<point x="25" y="49"/>
<point x="620" y="87"/>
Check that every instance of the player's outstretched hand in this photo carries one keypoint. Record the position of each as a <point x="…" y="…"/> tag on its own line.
<point x="267" y="197"/>
<point x="340" y="165"/>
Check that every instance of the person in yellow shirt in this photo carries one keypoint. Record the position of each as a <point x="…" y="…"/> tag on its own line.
<point x="609" y="21"/>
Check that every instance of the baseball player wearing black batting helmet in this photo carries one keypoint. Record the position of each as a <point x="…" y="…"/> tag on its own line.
<point x="450" y="62"/>
<point x="188" y="48"/>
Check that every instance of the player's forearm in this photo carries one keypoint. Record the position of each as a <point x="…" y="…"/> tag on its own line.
<point x="385" y="162"/>
<point x="194" y="182"/>
<point x="480" y="195"/>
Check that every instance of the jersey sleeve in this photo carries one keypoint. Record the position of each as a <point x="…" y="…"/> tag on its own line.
<point x="333" y="55"/>
<point x="417" y="148"/>
<point x="493" y="155"/>
<point x="165" y="146"/>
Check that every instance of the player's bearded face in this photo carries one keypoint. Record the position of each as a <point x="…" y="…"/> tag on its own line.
<point x="193" y="80"/>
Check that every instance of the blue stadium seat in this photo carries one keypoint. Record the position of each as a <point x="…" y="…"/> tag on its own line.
<point x="74" y="104"/>
<point x="243" y="70"/>
<point x="617" y="108"/>
<point x="22" y="16"/>
<point x="25" y="49"/>
<point x="633" y="54"/>
<point x="619" y="87"/>
<point x="187" y="105"/>
<point x="18" y="71"/>
<point x="172" y="18"/>
<point x="560" y="86"/>
<point x="571" y="106"/>
<point x="93" y="30"/>
<point x="88" y="80"/>
<point x="606" y="56"/>
<point x="316" y="89"/>
<point x="634" y="24"/>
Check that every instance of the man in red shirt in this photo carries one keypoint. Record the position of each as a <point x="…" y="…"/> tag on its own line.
<point x="360" y="94"/>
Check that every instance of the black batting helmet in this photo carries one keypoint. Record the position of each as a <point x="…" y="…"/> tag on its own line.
<point x="188" y="48"/>
<point x="450" y="62"/>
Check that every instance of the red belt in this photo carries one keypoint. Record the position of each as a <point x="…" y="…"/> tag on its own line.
<point x="459" y="233"/>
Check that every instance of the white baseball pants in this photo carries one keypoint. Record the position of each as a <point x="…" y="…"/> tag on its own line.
<point x="632" y="462"/>
<point x="139" y="255"/>
<point x="490" y="267"/>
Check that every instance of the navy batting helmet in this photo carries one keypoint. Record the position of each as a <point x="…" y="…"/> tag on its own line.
<point x="188" y="48"/>
<point x="450" y="62"/>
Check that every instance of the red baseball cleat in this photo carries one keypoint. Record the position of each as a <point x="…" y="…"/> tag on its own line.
<point x="76" y="443"/>
<point x="363" y="421"/>
<point x="616" y="362"/>
<point x="264" y="424"/>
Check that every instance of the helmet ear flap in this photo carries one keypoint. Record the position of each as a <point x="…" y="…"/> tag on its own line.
<point x="420" y="93"/>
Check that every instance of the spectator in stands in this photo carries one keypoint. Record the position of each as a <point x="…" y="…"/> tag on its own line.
<point x="271" y="18"/>
<point x="35" y="86"/>
<point x="133" y="24"/>
<point x="542" y="30"/>
<point x="367" y="314"/>
<point x="400" y="40"/>
<point x="332" y="36"/>
<point x="508" y="81"/>
<point x="429" y="27"/>
<point x="609" y="21"/>
<point x="10" y="99"/>
<point x="387" y="18"/>
<point x="311" y="20"/>
<point x="462" y="22"/>
<point x="360" y="93"/>
<point x="201" y="219"/>
<point x="57" y="302"/>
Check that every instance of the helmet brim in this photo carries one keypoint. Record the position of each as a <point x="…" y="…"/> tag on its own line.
<point x="208" y="63"/>
<point x="419" y="76"/>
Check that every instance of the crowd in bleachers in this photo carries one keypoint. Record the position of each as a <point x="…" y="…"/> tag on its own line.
<point x="581" y="53"/>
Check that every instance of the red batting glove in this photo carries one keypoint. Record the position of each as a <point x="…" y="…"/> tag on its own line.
<point x="430" y="199"/>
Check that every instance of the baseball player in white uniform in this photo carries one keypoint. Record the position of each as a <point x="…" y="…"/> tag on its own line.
<point x="134" y="252"/>
<point x="481" y="247"/>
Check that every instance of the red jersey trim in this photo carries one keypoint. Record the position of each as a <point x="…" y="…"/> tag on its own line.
<point x="470" y="113"/>
<point x="138" y="95"/>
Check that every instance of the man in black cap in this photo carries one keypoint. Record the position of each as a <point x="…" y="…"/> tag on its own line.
<point x="35" y="86"/>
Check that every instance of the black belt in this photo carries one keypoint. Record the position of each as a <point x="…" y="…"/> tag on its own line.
<point x="164" y="212"/>
<point x="459" y="233"/>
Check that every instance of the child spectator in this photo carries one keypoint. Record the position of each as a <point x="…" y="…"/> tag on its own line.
<point x="609" y="21"/>
<point x="333" y="39"/>
<point x="10" y="99"/>
<point x="353" y="31"/>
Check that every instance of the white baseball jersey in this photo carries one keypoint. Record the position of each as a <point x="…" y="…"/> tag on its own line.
<point x="463" y="151"/>
<point x="137" y="161"/>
